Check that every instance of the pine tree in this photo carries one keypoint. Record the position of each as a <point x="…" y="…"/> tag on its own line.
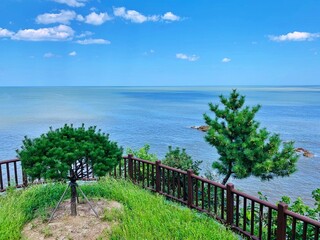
<point x="245" y="149"/>
<point x="53" y="155"/>
<point x="177" y="158"/>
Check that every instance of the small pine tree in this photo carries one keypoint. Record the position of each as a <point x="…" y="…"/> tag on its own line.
<point x="244" y="148"/>
<point x="143" y="153"/>
<point x="180" y="159"/>
<point x="52" y="155"/>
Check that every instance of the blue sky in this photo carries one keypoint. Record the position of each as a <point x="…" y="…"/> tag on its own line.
<point x="159" y="42"/>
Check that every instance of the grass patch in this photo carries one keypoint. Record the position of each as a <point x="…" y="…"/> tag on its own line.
<point x="145" y="215"/>
<point x="17" y="207"/>
<point x="113" y="214"/>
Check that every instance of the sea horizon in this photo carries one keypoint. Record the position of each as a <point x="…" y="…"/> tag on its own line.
<point x="157" y="86"/>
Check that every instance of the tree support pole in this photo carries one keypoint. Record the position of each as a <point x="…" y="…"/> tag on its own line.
<point x="54" y="211"/>
<point x="64" y="193"/>
<point x="88" y="202"/>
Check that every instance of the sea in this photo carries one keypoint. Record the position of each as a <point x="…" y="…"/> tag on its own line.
<point x="163" y="117"/>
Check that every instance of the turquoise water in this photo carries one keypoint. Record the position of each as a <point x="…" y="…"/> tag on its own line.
<point x="162" y="116"/>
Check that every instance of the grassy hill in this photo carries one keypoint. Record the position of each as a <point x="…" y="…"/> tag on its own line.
<point x="145" y="215"/>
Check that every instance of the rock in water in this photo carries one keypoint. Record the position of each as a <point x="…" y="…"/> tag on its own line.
<point x="308" y="154"/>
<point x="304" y="152"/>
<point x="201" y="128"/>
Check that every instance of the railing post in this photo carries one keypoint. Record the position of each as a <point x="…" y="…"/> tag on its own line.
<point x="230" y="203"/>
<point x="1" y="181"/>
<point x="158" y="178"/>
<point x="190" y="188"/>
<point x="281" y="221"/>
<point x="8" y="174"/>
<point x="130" y="166"/>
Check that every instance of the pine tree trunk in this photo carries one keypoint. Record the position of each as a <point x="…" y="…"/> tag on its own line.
<point x="73" y="202"/>
<point x="226" y="178"/>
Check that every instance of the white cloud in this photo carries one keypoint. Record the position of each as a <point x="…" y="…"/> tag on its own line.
<point x="59" y="33"/>
<point x="93" y="41"/>
<point x="84" y="34"/>
<point x="72" y="3"/>
<point x="72" y="54"/>
<point x="5" y="33"/>
<point x="226" y="60"/>
<point x="49" y="55"/>
<point x="134" y="16"/>
<point x="153" y="18"/>
<point x="119" y="12"/>
<point x="63" y="17"/>
<point x="183" y="56"/>
<point x="169" y="16"/>
<point x="131" y="15"/>
<point x="80" y="18"/>
<point x="150" y="52"/>
<point x="295" y="36"/>
<point x="97" y="19"/>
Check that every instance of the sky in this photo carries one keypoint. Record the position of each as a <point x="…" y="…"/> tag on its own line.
<point x="159" y="42"/>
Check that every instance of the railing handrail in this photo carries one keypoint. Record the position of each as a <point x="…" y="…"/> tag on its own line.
<point x="9" y="161"/>
<point x="255" y="199"/>
<point x="302" y="218"/>
<point x="173" y="169"/>
<point x="209" y="181"/>
<point x="139" y="159"/>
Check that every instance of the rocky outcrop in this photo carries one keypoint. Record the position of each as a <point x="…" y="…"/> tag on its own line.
<point x="201" y="128"/>
<point x="304" y="152"/>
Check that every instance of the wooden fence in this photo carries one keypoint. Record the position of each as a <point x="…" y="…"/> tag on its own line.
<point x="11" y="174"/>
<point x="247" y="215"/>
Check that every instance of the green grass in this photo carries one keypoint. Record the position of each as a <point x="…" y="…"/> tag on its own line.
<point x="145" y="215"/>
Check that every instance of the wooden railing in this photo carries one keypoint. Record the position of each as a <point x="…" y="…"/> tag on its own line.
<point x="247" y="215"/>
<point x="11" y="174"/>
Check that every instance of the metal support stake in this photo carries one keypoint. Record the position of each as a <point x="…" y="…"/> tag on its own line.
<point x="87" y="201"/>
<point x="54" y="211"/>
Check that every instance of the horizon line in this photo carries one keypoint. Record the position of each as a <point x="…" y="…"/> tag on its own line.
<point x="260" y="85"/>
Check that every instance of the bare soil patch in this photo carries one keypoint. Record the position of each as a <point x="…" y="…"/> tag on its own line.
<point x="64" y="227"/>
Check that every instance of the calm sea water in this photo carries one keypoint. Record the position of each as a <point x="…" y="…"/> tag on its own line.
<point x="162" y="116"/>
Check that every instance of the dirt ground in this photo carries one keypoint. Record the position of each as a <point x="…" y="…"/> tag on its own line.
<point x="64" y="227"/>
